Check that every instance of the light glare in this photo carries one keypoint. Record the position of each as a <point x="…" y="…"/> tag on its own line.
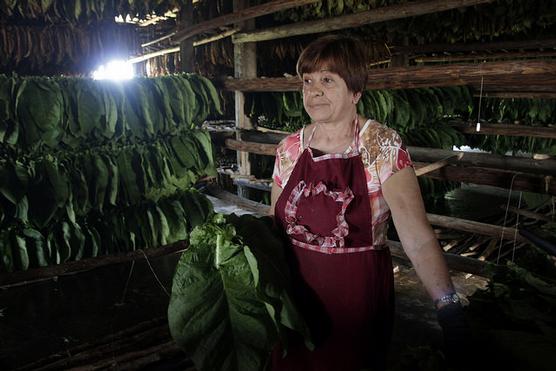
<point x="114" y="70"/>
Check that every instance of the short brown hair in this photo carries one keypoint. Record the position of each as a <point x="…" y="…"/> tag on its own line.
<point x="342" y="55"/>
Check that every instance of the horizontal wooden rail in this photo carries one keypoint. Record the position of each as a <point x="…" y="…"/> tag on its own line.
<point x="386" y="13"/>
<point x="476" y="175"/>
<point x="510" y="163"/>
<point x="509" y="130"/>
<point x="456" y="262"/>
<point x="474" y="47"/>
<point x="498" y="178"/>
<point x="530" y="75"/>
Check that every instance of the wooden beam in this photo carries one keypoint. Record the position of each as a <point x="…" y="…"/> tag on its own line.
<point x="497" y="178"/>
<point x="387" y="13"/>
<point x="482" y="57"/>
<point x="470" y="226"/>
<point x="245" y="66"/>
<point x="176" y="49"/>
<point x="238" y="16"/>
<point x="516" y="94"/>
<point x="509" y="130"/>
<point x="187" y="53"/>
<point x="529" y="214"/>
<point x="488" y="160"/>
<point x="515" y="73"/>
<point x="495" y="45"/>
<point x="423" y="154"/>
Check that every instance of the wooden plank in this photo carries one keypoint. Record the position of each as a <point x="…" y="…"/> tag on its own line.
<point x="509" y="130"/>
<point x="238" y="16"/>
<point x="514" y="73"/>
<point x="387" y="13"/>
<point x="527" y="165"/>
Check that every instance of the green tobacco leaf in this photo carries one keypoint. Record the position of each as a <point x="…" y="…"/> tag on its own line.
<point x="213" y="313"/>
<point x="39" y="107"/>
<point x="264" y="251"/>
<point x="19" y="252"/>
<point x="36" y="247"/>
<point x="90" y="107"/>
<point x="7" y="261"/>
<point x="10" y="186"/>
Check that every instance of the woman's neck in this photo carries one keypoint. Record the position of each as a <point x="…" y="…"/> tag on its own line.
<point x="335" y="130"/>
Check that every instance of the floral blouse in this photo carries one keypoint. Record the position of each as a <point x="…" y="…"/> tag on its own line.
<point x="382" y="153"/>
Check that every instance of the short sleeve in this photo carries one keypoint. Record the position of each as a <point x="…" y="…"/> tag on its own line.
<point x="276" y="174"/>
<point x="287" y="153"/>
<point x="392" y="157"/>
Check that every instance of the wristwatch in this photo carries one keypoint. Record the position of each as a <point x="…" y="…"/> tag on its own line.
<point x="451" y="298"/>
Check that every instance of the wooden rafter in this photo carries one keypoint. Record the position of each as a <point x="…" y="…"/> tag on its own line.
<point x="387" y="13"/>
<point x="237" y="17"/>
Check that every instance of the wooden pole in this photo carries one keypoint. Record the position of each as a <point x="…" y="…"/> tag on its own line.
<point x="496" y="178"/>
<point x="482" y="57"/>
<point x="176" y="49"/>
<point x="387" y="13"/>
<point x="245" y="66"/>
<point x="239" y="15"/>
<point x="488" y="160"/>
<point x="473" y="47"/>
<point x="526" y="165"/>
<point x="510" y="130"/>
<point x="509" y="73"/>
<point x="471" y="226"/>
<point x="437" y="165"/>
<point x="187" y="53"/>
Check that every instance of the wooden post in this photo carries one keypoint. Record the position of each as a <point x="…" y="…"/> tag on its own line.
<point x="187" y="54"/>
<point x="245" y="66"/>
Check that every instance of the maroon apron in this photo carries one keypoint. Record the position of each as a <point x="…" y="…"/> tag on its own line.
<point x="342" y="283"/>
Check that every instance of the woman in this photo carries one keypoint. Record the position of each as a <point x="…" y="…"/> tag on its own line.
<point x="336" y="182"/>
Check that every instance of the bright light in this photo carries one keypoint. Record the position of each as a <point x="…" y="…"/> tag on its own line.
<point x="114" y="70"/>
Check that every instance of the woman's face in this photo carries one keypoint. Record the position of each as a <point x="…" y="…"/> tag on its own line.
<point x="326" y="97"/>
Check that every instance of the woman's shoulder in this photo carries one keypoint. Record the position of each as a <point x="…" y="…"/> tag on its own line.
<point x="375" y="135"/>
<point x="291" y="143"/>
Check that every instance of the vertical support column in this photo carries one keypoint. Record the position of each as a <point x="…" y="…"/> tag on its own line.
<point x="245" y="66"/>
<point x="187" y="54"/>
